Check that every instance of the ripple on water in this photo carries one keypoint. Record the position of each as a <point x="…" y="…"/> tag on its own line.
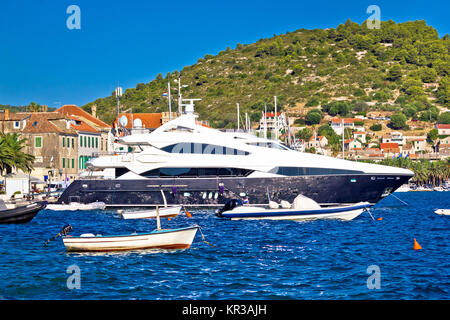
<point x="249" y="260"/>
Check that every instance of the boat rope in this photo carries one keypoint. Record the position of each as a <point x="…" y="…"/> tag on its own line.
<point x="399" y="199"/>
<point x="368" y="211"/>
<point x="64" y="231"/>
<point x="203" y="236"/>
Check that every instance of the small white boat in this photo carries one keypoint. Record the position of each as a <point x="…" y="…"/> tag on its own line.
<point x="74" y="206"/>
<point x="303" y="208"/>
<point x="445" y="212"/>
<point x="164" y="212"/>
<point x="158" y="239"/>
<point x="439" y="188"/>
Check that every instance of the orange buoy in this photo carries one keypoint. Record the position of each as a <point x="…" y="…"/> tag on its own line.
<point x="416" y="245"/>
<point x="168" y="219"/>
<point x="380" y="218"/>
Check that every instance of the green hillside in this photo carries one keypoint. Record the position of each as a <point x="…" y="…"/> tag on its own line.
<point x="401" y="67"/>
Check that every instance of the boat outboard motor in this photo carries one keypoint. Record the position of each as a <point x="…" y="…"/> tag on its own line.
<point x="230" y="205"/>
<point x="64" y="232"/>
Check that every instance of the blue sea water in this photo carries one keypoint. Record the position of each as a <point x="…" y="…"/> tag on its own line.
<point x="321" y="259"/>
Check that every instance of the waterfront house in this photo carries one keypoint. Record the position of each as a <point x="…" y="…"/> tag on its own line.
<point x="419" y="145"/>
<point x="337" y="124"/>
<point x="394" y="137"/>
<point x="317" y="142"/>
<point x="443" y="129"/>
<point x="352" y="144"/>
<point x="270" y="122"/>
<point x="90" y="119"/>
<point x="360" y="135"/>
<point x="51" y="140"/>
<point x="390" y="149"/>
<point x="89" y="141"/>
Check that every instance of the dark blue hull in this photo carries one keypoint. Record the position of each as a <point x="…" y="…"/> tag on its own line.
<point x="331" y="189"/>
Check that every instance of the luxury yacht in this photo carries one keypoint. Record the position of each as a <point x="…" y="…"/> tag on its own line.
<point x="185" y="162"/>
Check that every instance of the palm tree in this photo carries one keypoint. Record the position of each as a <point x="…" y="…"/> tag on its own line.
<point x="12" y="156"/>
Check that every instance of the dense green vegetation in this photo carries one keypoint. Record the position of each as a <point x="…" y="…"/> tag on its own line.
<point x="401" y="67"/>
<point x="11" y="154"/>
<point x="425" y="172"/>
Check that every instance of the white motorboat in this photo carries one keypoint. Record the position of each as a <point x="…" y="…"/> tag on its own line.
<point x="158" y="239"/>
<point x="164" y="212"/>
<point x="445" y="212"/>
<point x="74" y="206"/>
<point x="307" y="210"/>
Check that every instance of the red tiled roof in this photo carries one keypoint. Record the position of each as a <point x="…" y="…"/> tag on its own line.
<point x="83" y="126"/>
<point x="41" y="122"/>
<point x="149" y="120"/>
<point x="359" y="132"/>
<point x="272" y="114"/>
<point x="73" y="110"/>
<point x="346" y="120"/>
<point x="443" y="126"/>
<point x="391" y="145"/>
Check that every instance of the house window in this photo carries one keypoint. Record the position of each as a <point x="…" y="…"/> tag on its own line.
<point x="89" y="142"/>
<point x="96" y="143"/>
<point x="16" y="124"/>
<point x="63" y="162"/>
<point x="85" y="144"/>
<point x="73" y="163"/>
<point x="64" y="141"/>
<point x="73" y="143"/>
<point x="38" y="142"/>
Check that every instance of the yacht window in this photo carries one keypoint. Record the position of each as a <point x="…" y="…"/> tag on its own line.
<point x="196" y="172"/>
<point x="202" y="148"/>
<point x="271" y="145"/>
<point x="121" y="171"/>
<point x="301" y="171"/>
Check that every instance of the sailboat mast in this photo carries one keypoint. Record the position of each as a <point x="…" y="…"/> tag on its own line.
<point x="170" y="101"/>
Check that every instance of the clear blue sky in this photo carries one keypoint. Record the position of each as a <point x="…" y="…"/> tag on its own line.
<point x="131" y="41"/>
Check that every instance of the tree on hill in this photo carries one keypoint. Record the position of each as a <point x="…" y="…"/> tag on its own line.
<point x="314" y="116"/>
<point x="444" y="118"/>
<point x="398" y="121"/>
<point x="395" y="73"/>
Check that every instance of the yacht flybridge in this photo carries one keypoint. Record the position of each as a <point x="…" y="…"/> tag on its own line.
<point x="196" y="165"/>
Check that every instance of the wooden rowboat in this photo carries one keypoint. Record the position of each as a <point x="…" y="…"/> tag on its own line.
<point x="164" y="212"/>
<point x="158" y="239"/>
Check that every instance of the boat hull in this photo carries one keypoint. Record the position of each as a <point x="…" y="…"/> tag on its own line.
<point x="210" y="192"/>
<point x="159" y="239"/>
<point x="77" y="207"/>
<point x="22" y="214"/>
<point x="341" y="213"/>
<point x="445" y="212"/>
<point x="148" y="214"/>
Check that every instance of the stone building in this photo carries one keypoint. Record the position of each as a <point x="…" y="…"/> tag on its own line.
<point x="51" y="139"/>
